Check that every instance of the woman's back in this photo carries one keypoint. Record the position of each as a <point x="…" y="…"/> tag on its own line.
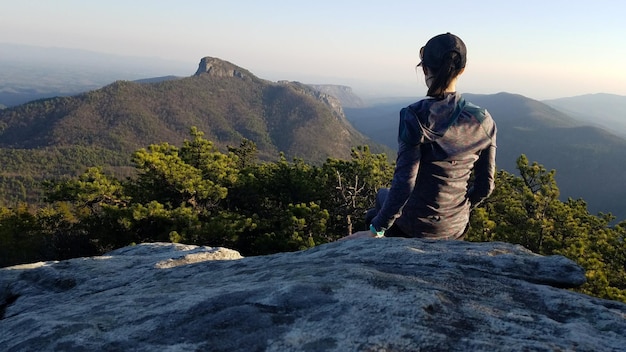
<point x="451" y="135"/>
<point x="442" y="142"/>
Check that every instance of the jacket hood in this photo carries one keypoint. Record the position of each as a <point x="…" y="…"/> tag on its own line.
<point x="428" y="119"/>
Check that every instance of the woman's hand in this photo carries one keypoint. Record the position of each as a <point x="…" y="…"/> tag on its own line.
<point x="359" y="234"/>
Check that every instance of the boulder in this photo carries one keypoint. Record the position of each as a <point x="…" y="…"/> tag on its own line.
<point x="388" y="294"/>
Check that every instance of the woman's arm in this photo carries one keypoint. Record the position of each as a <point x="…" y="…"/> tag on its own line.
<point x="404" y="176"/>
<point x="484" y="176"/>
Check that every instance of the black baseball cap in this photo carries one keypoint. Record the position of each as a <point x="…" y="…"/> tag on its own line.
<point x="431" y="55"/>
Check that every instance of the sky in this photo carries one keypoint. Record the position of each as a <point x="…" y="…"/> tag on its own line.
<point x="541" y="49"/>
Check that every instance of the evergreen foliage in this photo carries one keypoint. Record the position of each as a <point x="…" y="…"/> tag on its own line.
<point x="198" y="195"/>
<point x="526" y="210"/>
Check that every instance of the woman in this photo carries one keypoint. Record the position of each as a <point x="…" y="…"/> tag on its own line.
<point x="442" y="140"/>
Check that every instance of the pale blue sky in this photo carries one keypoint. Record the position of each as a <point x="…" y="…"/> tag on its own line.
<point x="538" y="48"/>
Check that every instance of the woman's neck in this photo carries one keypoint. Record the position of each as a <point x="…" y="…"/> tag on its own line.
<point x="452" y="86"/>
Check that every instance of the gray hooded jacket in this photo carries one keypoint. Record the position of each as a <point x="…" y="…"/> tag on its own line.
<point x="441" y="141"/>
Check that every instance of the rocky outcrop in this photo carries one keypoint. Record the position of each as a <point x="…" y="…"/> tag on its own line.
<point x="330" y="100"/>
<point x="386" y="294"/>
<point x="220" y="68"/>
<point x="344" y="93"/>
<point x="330" y="95"/>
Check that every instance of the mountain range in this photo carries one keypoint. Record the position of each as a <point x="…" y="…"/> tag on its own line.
<point x="226" y="102"/>
<point x="607" y="111"/>
<point x="62" y="135"/>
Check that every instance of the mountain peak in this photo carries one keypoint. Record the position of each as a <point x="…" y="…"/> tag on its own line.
<point x="220" y="68"/>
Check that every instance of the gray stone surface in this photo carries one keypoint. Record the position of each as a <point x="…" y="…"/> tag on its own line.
<point x="387" y="294"/>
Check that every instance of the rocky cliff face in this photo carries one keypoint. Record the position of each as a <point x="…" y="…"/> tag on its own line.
<point x="344" y="93"/>
<point x="333" y="96"/>
<point x="328" y="99"/>
<point x="386" y="294"/>
<point x="220" y="68"/>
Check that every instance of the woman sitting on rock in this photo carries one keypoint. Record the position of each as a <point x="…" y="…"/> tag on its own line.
<point x="442" y="140"/>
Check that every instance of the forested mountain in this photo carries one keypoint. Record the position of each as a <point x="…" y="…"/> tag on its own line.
<point x="605" y="110"/>
<point x="226" y="102"/>
<point x="589" y="161"/>
<point x="63" y="135"/>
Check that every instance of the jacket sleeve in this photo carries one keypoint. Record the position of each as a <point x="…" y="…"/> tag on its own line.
<point x="403" y="183"/>
<point x="484" y="175"/>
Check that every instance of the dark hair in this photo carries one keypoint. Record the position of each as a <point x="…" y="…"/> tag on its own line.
<point x="451" y="66"/>
<point x="444" y="56"/>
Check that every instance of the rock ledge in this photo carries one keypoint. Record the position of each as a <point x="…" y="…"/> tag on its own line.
<point x="363" y="295"/>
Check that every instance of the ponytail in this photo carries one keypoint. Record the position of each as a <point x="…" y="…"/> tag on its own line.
<point x="451" y="66"/>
